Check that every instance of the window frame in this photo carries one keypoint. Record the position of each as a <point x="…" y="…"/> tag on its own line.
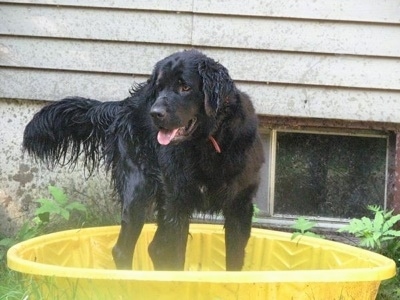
<point x="268" y="217"/>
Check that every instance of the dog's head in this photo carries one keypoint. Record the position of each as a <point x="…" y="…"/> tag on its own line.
<point x="190" y="90"/>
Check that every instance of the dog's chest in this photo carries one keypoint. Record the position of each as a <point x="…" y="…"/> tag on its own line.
<point x="203" y="189"/>
<point x="209" y="199"/>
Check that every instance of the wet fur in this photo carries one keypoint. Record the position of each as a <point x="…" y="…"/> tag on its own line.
<point x="187" y="175"/>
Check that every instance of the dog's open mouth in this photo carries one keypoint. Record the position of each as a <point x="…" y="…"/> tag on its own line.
<point x="166" y="136"/>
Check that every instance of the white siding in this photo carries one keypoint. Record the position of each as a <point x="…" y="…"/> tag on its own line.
<point x="310" y="58"/>
<point x="382" y="11"/>
<point x="253" y="66"/>
<point x="296" y="35"/>
<point x="322" y="58"/>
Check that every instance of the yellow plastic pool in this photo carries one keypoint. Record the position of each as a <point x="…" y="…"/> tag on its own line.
<point x="77" y="264"/>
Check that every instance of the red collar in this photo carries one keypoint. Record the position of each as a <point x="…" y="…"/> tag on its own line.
<point x="215" y="144"/>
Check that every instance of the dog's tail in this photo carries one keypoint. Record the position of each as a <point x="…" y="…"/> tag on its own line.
<point x="60" y="132"/>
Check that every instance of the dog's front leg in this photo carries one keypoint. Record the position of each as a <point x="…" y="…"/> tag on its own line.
<point x="168" y="248"/>
<point x="133" y="217"/>
<point x="237" y="232"/>
<point x="136" y="192"/>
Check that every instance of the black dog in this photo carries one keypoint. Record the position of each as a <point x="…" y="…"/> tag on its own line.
<point x="187" y="139"/>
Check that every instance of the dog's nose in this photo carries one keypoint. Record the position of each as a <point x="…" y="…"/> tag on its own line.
<point x="158" y="111"/>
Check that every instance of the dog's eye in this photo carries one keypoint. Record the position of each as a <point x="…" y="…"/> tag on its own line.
<point x="185" y="88"/>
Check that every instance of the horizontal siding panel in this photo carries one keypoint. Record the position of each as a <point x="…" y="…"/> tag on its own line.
<point x="165" y="5"/>
<point x="308" y="69"/>
<point x="208" y="30"/>
<point x="270" y="99"/>
<point x="52" y="85"/>
<point x="345" y="10"/>
<point x="382" y="11"/>
<point x="88" y="56"/>
<point x="113" y="25"/>
<point x="256" y="66"/>
<point x="297" y="35"/>
<point x="329" y="103"/>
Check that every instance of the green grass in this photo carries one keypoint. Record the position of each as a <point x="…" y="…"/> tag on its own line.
<point x="390" y="289"/>
<point x="11" y="284"/>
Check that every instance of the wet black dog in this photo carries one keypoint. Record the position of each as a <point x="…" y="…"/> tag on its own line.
<point x="186" y="140"/>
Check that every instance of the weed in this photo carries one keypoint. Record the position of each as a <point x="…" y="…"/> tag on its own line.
<point x="303" y="227"/>
<point x="24" y="233"/>
<point x="50" y="209"/>
<point x="58" y="205"/>
<point x="49" y="212"/>
<point x="256" y="212"/>
<point x="379" y="234"/>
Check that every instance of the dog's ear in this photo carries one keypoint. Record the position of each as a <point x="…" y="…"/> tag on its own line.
<point x="149" y="86"/>
<point x="152" y="81"/>
<point x="217" y="85"/>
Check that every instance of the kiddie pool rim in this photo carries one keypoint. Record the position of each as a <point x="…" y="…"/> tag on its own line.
<point x="386" y="267"/>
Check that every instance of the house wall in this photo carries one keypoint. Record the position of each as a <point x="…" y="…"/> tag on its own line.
<point x="307" y="60"/>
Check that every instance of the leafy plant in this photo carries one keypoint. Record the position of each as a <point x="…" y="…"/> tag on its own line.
<point x="256" y="212"/>
<point x="303" y="227"/>
<point x="59" y="205"/>
<point x="377" y="234"/>
<point x="24" y="233"/>
<point x="55" y="212"/>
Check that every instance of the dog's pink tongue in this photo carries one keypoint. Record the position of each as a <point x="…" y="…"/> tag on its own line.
<point x="164" y="136"/>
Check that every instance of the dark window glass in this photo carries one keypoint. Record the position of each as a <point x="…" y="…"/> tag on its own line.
<point x="329" y="175"/>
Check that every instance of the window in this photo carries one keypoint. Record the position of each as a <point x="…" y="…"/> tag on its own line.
<point x="324" y="175"/>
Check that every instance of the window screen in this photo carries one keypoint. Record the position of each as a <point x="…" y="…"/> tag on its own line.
<point x="326" y="175"/>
